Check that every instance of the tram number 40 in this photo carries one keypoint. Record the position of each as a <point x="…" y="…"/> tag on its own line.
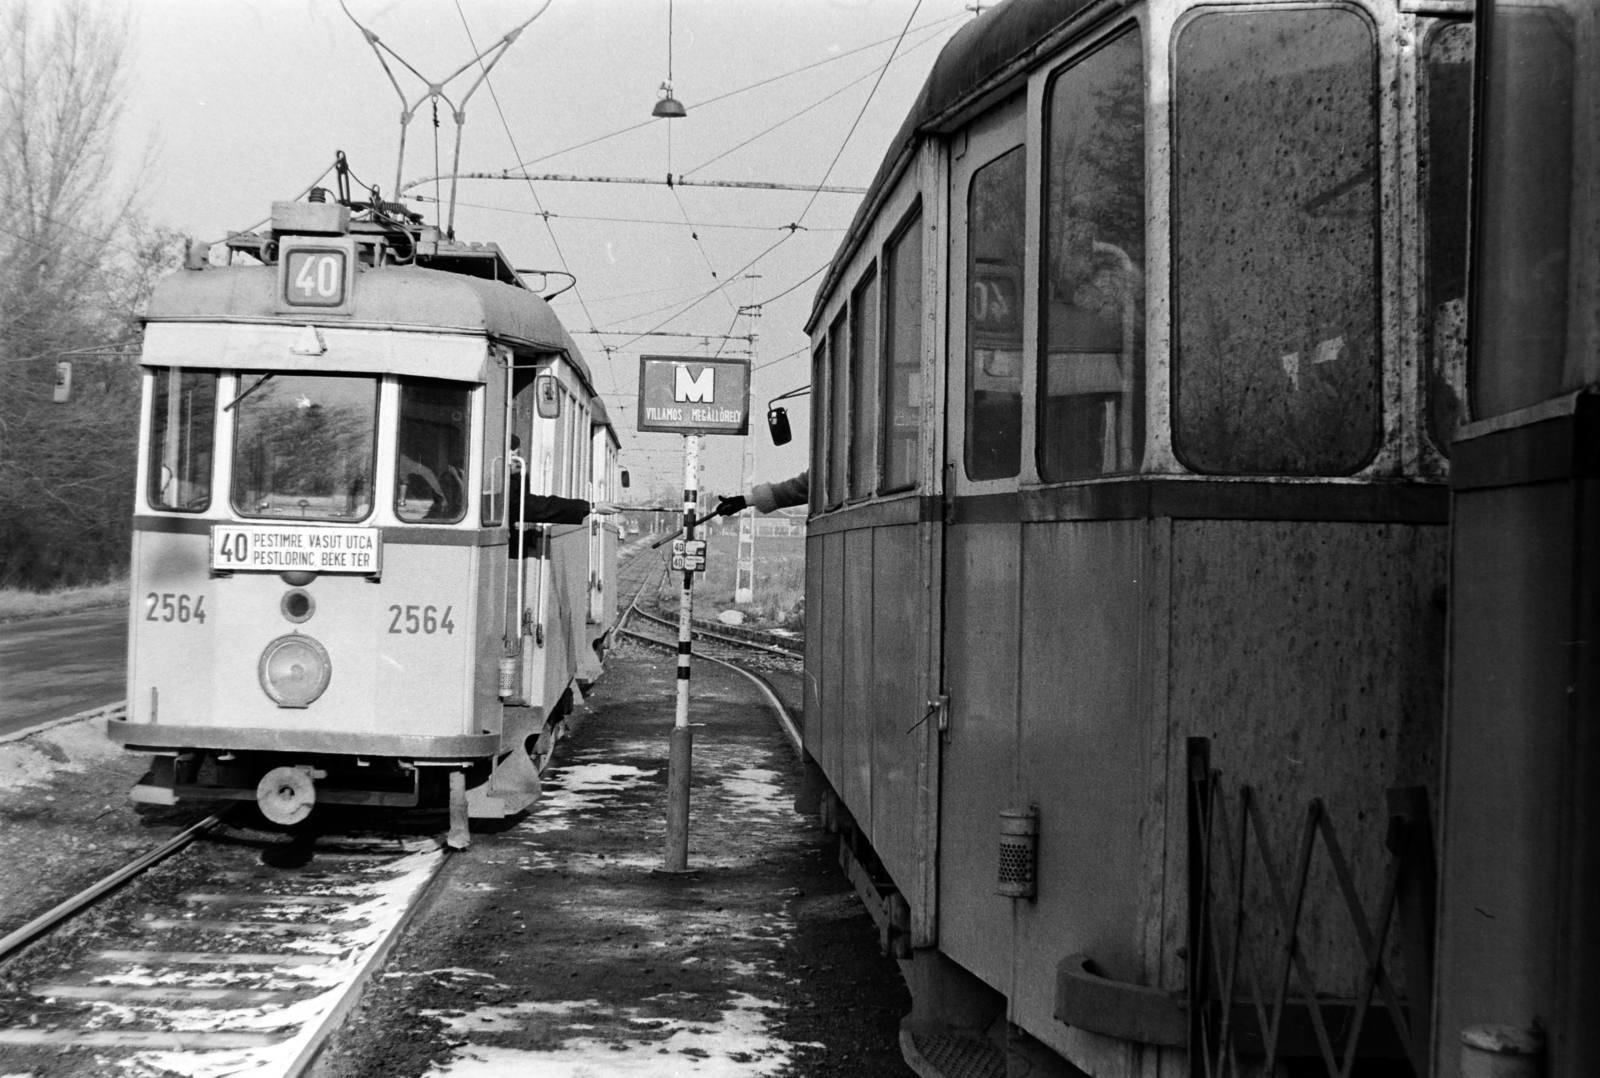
<point x="175" y="606"/>
<point x="421" y="619"/>
<point x="315" y="278"/>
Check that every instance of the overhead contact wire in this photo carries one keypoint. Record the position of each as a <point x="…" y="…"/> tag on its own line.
<point x="725" y="96"/>
<point x="881" y="72"/>
<point x="489" y="84"/>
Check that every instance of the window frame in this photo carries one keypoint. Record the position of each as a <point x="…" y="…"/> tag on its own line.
<point x="909" y="228"/>
<point x="839" y="409"/>
<point x="402" y="382"/>
<point x="821" y="432"/>
<point x="152" y="466"/>
<point x="1383" y="361"/>
<point x="862" y="377"/>
<point x="1145" y="380"/>
<point x="378" y="469"/>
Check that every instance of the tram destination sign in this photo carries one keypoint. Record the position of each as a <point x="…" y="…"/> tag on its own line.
<point x="694" y="395"/>
<point x="277" y="548"/>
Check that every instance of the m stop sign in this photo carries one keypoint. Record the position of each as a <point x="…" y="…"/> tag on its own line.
<point x="694" y="395"/>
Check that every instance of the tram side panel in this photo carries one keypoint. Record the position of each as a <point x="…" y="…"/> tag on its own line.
<point x="170" y="558"/>
<point x="897" y="699"/>
<point x="813" y="721"/>
<point x="1308" y="652"/>
<point x="490" y="578"/>
<point x="855" y="730"/>
<point x="1087" y="754"/>
<point x="565" y="612"/>
<point x="979" y="756"/>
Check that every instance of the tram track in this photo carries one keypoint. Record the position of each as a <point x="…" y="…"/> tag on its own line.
<point x="767" y="689"/>
<point x="236" y="948"/>
<point x="244" y="952"/>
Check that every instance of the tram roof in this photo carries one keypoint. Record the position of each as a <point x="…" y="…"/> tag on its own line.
<point x="600" y="416"/>
<point x="982" y="56"/>
<point x="393" y="297"/>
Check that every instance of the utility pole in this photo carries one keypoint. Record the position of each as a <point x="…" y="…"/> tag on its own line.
<point x="744" y="579"/>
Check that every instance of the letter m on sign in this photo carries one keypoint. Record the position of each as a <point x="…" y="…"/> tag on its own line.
<point x="687" y="390"/>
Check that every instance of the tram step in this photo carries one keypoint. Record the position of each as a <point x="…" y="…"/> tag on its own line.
<point x="947" y="1054"/>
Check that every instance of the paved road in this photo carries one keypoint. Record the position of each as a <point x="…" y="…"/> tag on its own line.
<point x="57" y="666"/>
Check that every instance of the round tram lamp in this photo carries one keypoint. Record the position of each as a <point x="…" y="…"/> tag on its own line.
<point x="295" y="670"/>
<point x="668" y="107"/>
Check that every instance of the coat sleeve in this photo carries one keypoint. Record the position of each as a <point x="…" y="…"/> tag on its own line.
<point x="769" y="497"/>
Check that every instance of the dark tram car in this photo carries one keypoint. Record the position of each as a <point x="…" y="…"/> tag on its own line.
<point x="362" y="572"/>
<point x="1519" y="939"/>
<point x="1127" y="548"/>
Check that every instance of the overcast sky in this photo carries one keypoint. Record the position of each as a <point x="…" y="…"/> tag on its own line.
<point x="245" y="101"/>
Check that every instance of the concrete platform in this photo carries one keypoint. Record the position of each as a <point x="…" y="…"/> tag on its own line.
<point x="553" y="948"/>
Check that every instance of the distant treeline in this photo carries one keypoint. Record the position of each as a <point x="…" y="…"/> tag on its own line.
<point x="77" y="263"/>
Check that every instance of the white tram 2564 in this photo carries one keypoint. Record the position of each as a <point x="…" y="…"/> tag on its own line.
<point x="363" y="566"/>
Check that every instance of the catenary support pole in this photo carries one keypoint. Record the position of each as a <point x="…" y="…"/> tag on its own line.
<point x="680" y="743"/>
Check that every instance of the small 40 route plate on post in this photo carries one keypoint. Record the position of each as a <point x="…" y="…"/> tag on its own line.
<point x="689" y="555"/>
<point x="273" y="548"/>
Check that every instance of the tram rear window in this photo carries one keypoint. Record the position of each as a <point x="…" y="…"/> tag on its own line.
<point x="902" y="381"/>
<point x="995" y="241"/>
<point x="839" y="422"/>
<point x="430" y="468"/>
<point x="1277" y="358"/>
<point x="863" y="386"/>
<point x="183" y="408"/>
<point x="303" y="447"/>
<point x="1091" y="391"/>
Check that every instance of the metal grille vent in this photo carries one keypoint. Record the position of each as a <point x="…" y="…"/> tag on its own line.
<point x="1019" y="843"/>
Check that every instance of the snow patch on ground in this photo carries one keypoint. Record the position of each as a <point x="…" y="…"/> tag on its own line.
<point x="736" y="1045"/>
<point x="71" y="747"/>
<point x="756" y="789"/>
<point x="373" y="913"/>
<point x="579" y="788"/>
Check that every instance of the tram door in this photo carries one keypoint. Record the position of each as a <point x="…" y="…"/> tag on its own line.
<point x="982" y="546"/>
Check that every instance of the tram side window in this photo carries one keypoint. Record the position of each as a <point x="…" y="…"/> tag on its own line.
<point x="995" y="241"/>
<point x="430" y="468"/>
<point x="1447" y="103"/>
<point x="1519" y="341"/>
<point x="1091" y="382"/>
<point x="902" y="346"/>
<point x="863" y="385"/>
<point x="1277" y="358"/>
<point x="304" y="446"/>
<point x="839" y="419"/>
<point x="819" y="427"/>
<point x="183" y="409"/>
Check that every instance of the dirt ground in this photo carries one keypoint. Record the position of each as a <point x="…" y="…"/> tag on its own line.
<point x="551" y="948"/>
<point x="65" y="817"/>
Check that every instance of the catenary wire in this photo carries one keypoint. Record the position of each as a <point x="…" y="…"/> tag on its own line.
<point x="881" y="72"/>
<point x="610" y="368"/>
<point x="724" y="96"/>
<point x="815" y="104"/>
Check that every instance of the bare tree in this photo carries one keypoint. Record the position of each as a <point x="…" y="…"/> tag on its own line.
<point x="76" y="263"/>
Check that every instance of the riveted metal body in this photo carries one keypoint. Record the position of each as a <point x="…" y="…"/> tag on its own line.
<point x="1105" y="237"/>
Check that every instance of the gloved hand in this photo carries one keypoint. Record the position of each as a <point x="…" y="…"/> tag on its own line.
<point x="730" y="504"/>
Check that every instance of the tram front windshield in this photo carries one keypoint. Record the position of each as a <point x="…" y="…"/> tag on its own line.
<point x="304" y="446"/>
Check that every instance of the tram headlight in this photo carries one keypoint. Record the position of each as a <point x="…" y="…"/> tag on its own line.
<point x="295" y="670"/>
